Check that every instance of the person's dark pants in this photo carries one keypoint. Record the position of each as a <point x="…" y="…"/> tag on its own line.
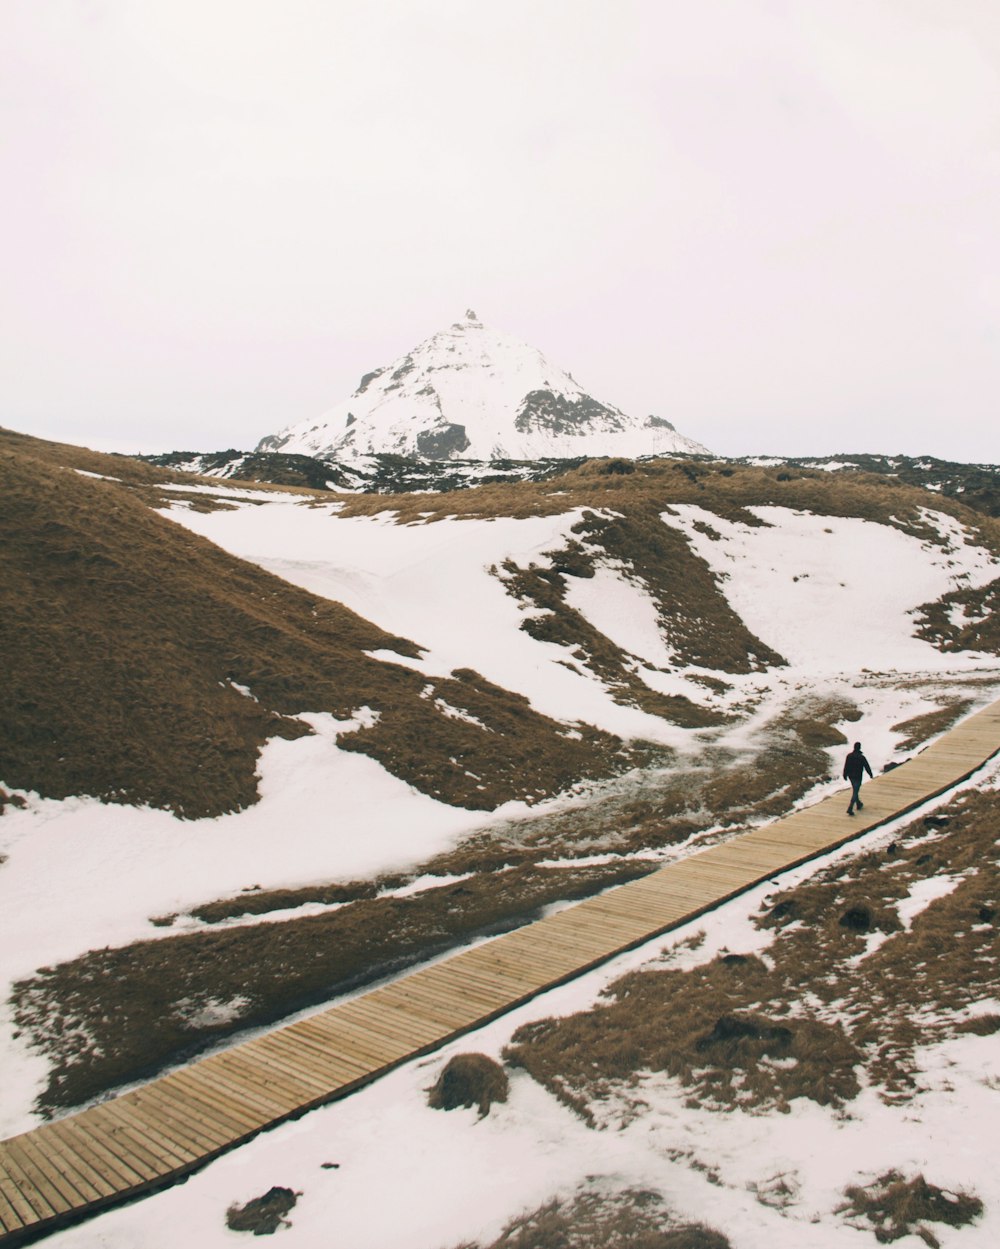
<point x="855" y="795"/>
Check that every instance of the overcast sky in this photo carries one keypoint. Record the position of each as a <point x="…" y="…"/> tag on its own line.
<point x="776" y="224"/>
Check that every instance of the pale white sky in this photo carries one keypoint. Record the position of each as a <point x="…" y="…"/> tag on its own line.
<point x="773" y="223"/>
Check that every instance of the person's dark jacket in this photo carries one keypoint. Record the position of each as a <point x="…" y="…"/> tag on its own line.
<point x="855" y="766"/>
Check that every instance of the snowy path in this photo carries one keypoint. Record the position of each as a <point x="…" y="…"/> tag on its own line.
<point x="170" y="1127"/>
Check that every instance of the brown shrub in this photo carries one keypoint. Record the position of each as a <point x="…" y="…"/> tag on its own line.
<point x="895" y="1207"/>
<point x="469" y="1080"/>
<point x="632" y="1219"/>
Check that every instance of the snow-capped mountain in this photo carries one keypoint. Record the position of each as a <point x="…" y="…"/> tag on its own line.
<point x="473" y="393"/>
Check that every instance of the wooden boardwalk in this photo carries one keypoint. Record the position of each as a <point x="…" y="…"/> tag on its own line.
<point x="161" y="1132"/>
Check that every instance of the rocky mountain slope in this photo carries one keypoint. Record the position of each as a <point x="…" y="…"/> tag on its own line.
<point x="474" y="393"/>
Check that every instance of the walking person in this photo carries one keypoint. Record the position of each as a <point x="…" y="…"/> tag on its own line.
<point x="855" y="767"/>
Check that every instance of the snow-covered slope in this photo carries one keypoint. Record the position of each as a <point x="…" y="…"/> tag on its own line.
<point x="474" y="393"/>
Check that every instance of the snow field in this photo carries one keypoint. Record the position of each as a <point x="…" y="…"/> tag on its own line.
<point x="433" y="584"/>
<point x="415" y="1178"/>
<point x="836" y="593"/>
<point x="82" y="874"/>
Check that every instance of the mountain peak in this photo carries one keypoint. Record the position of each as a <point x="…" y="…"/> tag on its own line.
<point x="481" y="396"/>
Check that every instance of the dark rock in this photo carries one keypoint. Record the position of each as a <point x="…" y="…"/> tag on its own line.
<point x="621" y="468"/>
<point x="857" y="919"/>
<point x="443" y="443"/>
<point x="367" y="380"/>
<point x="557" y="414"/>
<point x="731" y="1028"/>
<point x="263" y="1215"/>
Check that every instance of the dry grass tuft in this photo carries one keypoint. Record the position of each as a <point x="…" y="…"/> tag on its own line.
<point x="980" y="1025"/>
<point x="469" y="1080"/>
<point x="895" y="1207"/>
<point x="632" y="1219"/>
<point x="829" y="1002"/>
<point x="931" y="723"/>
<point x="696" y="1027"/>
<point x="263" y="1215"/>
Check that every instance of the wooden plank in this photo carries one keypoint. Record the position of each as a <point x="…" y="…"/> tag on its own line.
<point x="83" y="1136"/>
<point x="211" y="1115"/>
<point x="492" y="982"/>
<point x="299" y="1053"/>
<point x="284" y="1075"/>
<point x="375" y="1017"/>
<point x="29" y="1205"/>
<point x="171" y="1124"/>
<point x="447" y="1015"/>
<point x="376" y="1039"/>
<point x="45" y="1179"/>
<point x="74" y="1188"/>
<point x="180" y="1122"/>
<point x="337" y="1033"/>
<point x="144" y="1162"/>
<point x="305" y="1069"/>
<point x="10" y="1220"/>
<point x="90" y="1182"/>
<point x="215" y="1098"/>
<point x="508" y="972"/>
<point x="453" y="995"/>
<point x="151" y="1135"/>
<point x="259" y="1099"/>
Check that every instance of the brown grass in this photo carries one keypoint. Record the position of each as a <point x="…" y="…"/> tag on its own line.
<point x="695" y="1027"/>
<point x="123" y="636"/>
<point x="923" y="727"/>
<point x="980" y="607"/>
<point x="469" y="1080"/>
<point x="693" y="613"/>
<point x="726" y="489"/>
<point x="719" y="1027"/>
<point x="894" y="1207"/>
<point x="630" y="1219"/>
<point x="116" y="1015"/>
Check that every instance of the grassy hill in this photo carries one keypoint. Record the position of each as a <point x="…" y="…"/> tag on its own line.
<point x="148" y="667"/>
<point x="126" y="640"/>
